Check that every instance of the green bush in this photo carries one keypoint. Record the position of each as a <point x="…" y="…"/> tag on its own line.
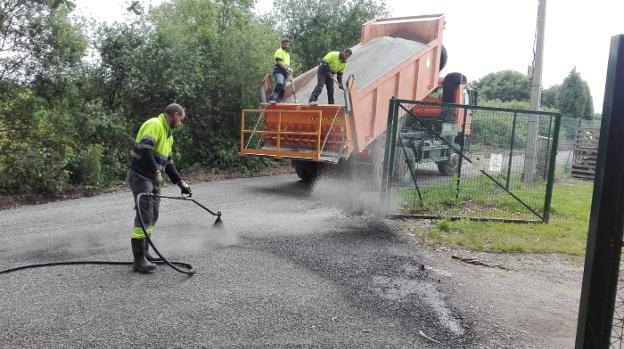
<point x="107" y="131"/>
<point x="91" y="165"/>
<point x="30" y="169"/>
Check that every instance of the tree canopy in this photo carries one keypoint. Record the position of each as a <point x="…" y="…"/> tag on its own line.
<point x="37" y="38"/>
<point x="574" y="97"/>
<point x="75" y="100"/>
<point x="319" y="26"/>
<point x="506" y="85"/>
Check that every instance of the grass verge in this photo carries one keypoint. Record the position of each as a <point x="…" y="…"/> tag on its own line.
<point x="566" y="233"/>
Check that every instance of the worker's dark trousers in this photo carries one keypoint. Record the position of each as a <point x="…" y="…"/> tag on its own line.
<point x="149" y="205"/>
<point x="323" y="79"/>
<point x="280" y="87"/>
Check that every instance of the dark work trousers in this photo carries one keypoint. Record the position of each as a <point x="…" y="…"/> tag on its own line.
<point x="149" y="205"/>
<point x="323" y="78"/>
<point x="280" y="87"/>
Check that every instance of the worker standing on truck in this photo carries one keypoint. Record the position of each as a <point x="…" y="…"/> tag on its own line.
<point x="281" y="70"/>
<point x="150" y="157"/>
<point x="335" y="62"/>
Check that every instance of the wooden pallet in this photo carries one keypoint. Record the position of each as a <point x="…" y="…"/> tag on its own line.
<point x="585" y="153"/>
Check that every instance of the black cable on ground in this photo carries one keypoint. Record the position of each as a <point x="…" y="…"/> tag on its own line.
<point x="177" y="266"/>
<point x="33" y="266"/>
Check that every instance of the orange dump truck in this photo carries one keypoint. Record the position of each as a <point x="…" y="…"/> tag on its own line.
<point x="396" y="57"/>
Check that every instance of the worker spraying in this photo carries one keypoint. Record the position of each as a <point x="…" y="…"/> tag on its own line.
<point x="150" y="157"/>
<point x="335" y="62"/>
<point x="281" y="71"/>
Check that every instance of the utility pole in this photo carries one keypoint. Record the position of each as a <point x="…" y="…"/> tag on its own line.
<point x="530" y="157"/>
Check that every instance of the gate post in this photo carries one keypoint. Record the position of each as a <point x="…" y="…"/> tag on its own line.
<point x="389" y="150"/>
<point x="551" y="165"/>
<point x="511" y="146"/>
<point x="604" y="242"/>
<point x="461" y="153"/>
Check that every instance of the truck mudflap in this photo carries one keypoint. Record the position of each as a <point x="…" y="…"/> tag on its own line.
<point x="319" y="133"/>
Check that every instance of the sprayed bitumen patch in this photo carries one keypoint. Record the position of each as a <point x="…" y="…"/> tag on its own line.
<point x="288" y="271"/>
<point x="368" y="63"/>
<point x="377" y="273"/>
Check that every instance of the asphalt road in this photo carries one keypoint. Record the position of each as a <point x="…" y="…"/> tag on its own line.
<point x="289" y="270"/>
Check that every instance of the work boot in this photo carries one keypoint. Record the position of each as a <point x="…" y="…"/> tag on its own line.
<point x="148" y="256"/>
<point x="138" y="251"/>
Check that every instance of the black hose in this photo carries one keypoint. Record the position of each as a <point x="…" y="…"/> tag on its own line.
<point x="163" y="260"/>
<point x="188" y="272"/>
<point x="33" y="266"/>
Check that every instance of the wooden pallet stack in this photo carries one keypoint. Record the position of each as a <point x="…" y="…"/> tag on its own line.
<point x="585" y="153"/>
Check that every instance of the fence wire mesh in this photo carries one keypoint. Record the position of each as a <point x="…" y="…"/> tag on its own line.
<point x="617" y="328"/>
<point x="567" y="136"/>
<point x="483" y="168"/>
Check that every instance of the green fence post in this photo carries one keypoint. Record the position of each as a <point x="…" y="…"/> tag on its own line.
<point x="511" y="146"/>
<point x="549" y="149"/>
<point x="551" y="169"/>
<point x="604" y="241"/>
<point x="389" y="149"/>
<point x="393" y="137"/>
<point x="461" y="153"/>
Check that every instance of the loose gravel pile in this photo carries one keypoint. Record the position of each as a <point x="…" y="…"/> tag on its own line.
<point x="368" y="63"/>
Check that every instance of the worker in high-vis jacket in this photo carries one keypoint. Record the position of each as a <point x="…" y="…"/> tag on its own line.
<point x="281" y="70"/>
<point x="334" y="62"/>
<point x="150" y="158"/>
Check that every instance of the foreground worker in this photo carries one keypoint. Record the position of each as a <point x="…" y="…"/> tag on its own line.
<point x="334" y="62"/>
<point x="281" y="71"/>
<point x="151" y="157"/>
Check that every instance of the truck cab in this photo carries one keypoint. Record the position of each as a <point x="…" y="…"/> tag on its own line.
<point x="429" y="131"/>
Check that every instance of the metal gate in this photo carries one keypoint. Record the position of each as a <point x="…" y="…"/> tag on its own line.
<point x="459" y="161"/>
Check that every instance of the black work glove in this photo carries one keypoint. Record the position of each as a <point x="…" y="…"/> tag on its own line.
<point x="185" y="188"/>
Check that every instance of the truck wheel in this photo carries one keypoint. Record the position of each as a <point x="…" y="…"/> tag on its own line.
<point x="307" y="172"/>
<point x="450" y="166"/>
<point x="443" y="58"/>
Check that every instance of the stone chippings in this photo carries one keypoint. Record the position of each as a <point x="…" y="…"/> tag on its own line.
<point x="368" y="63"/>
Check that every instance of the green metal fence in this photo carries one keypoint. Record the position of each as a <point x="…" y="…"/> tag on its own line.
<point x="567" y="135"/>
<point x="498" y="164"/>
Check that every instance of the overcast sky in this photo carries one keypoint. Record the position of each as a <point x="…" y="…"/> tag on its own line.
<point x="485" y="36"/>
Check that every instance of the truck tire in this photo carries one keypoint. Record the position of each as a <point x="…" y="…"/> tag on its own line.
<point x="449" y="167"/>
<point x="443" y="58"/>
<point x="306" y="171"/>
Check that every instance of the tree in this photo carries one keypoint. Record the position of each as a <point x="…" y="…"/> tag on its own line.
<point x="507" y="85"/>
<point x="550" y="96"/>
<point x="574" y="97"/>
<point x="212" y="62"/>
<point x="37" y="37"/>
<point x="319" y="26"/>
<point x="588" y="111"/>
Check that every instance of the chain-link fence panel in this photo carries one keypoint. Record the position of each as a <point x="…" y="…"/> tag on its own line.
<point x="458" y="161"/>
<point x="567" y="136"/>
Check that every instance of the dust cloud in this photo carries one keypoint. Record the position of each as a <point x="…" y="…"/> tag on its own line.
<point x="357" y="197"/>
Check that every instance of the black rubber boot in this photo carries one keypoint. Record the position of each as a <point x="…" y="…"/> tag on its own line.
<point x="148" y="256"/>
<point x="138" y="251"/>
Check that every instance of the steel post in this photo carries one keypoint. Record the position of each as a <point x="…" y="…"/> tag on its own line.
<point x="551" y="165"/>
<point x="604" y="242"/>
<point x="387" y="150"/>
<point x="461" y="153"/>
<point x="511" y="146"/>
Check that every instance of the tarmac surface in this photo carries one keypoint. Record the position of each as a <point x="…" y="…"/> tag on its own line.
<point x="288" y="270"/>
